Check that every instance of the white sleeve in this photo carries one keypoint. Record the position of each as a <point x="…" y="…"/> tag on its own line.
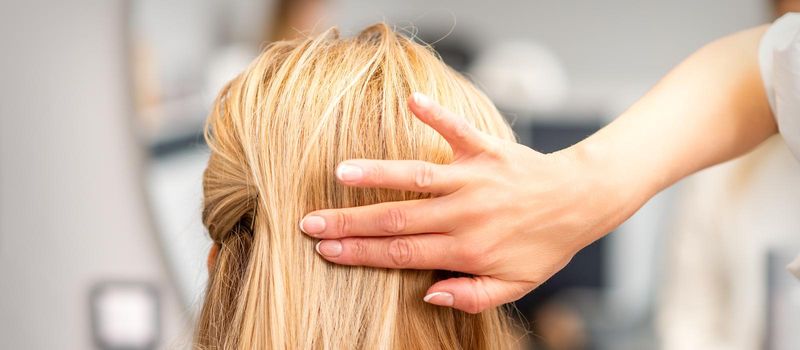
<point x="779" y="60"/>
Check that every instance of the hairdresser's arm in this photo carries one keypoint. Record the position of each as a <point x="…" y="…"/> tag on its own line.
<point x="514" y="217"/>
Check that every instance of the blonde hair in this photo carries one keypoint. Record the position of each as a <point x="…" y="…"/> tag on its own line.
<point x="276" y="133"/>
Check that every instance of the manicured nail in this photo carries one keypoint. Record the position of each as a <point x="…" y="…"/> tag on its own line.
<point x="422" y="100"/>
<point x="330" y="249"/>
<point x="439" y="298"/>
<point x="349" y="173"/>
<point x="312" y="225"/>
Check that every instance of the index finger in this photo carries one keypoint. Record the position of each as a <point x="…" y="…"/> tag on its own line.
<point x="463" y="138"/>
<point x="408" y="175"/>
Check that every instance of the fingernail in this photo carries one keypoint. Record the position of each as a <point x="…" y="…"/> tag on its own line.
<point x="312" y="224"/>
<point x="347" y="173"/>
<point x="329" y="249"/>
<point x="422" y="100"/>
<point x="439" y="298"/>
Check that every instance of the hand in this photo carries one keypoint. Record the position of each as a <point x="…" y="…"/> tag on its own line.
<point x="508" y="215"/>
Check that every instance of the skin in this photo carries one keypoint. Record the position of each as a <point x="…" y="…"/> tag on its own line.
<point x="212" y="257"/>
<point x="513" y="217"/>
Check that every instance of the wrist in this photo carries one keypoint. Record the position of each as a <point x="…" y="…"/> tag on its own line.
<point x="613" y="184"/>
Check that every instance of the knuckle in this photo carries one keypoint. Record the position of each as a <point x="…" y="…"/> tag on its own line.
<point x="393" y="221"/>
<point x="401" y="251"/>
<point x="471" y="256"/>
<point x="423" y="176"/>
<point x="477" y="296"/>
<point x="358" y="250"/>
<point x="477" y="214"/>
<point x="497" y="149"/>
<point x="485" y="300"/>
<point x="480" y="298"/>
<point x="343" y="223"/>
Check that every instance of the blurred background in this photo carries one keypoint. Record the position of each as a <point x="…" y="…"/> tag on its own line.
<point x="101" y="155"/>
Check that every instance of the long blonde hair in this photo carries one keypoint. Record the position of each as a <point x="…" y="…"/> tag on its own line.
<point x="276" y="133"/>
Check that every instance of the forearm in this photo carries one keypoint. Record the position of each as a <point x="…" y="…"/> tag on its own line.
<point x="512" y="217"/>
<point x="709" y="109"/>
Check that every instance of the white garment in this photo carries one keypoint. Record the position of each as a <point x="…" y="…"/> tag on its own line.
<point x="779" y="58"/>
<point x="730" y="217"/>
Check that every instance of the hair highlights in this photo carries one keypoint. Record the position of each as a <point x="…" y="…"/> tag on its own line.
<point x="276" y="133"/>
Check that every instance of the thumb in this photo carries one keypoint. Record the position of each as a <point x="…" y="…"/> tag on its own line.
<point x="475" y="294"/>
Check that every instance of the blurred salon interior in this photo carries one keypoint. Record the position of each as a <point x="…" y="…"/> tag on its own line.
<point x="102" y="105"/>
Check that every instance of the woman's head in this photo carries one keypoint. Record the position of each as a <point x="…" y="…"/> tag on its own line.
<point x="276" y="133"/>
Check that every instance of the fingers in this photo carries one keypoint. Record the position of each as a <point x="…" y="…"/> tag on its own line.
<point x="462" y="137"/>
<point x="428" y="251"/>
<point x="475" y="294"/>
<point x="408" y="175"/>
<point x="383" y="219"/>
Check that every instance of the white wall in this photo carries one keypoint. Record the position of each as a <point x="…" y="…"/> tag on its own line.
<point x="72" y="211"/>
